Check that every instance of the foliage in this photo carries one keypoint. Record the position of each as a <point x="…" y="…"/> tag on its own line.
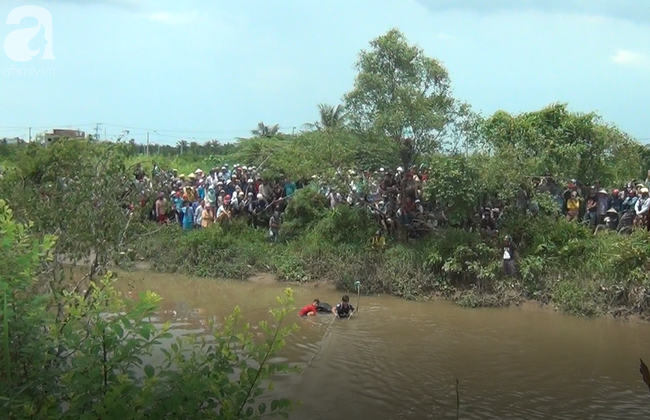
<point x="402" y="94"/>
<point x="399" y="111"/>
<point x="331" y="118"/>
<point x="566" y="145"/>
<point x="78" y="191"/>
<point x="264" y="130"/>
<point x="455" y="185"/>
<point x="94" y="358"/>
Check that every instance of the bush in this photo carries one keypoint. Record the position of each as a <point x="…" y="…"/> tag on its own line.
<point x="84" y="360"/>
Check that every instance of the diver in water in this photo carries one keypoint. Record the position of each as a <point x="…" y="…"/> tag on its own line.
<point x="315" y="307"/>
<point x="310" y="310"/>
<point x="343" y="309"/>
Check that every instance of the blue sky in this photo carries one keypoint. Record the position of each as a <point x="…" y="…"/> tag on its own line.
<point x="204" y="69"/>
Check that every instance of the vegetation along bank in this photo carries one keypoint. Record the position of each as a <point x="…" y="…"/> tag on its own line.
<point x="352" y="214"/>
<point x="524" y="166"/>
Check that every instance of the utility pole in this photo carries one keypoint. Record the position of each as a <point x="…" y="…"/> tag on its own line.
<point x="293" y="131"/>
<point x="30" y="134"/>
<point x="96" y="131"/>
<point x="147" y="143"/>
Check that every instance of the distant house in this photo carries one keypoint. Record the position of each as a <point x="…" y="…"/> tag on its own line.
<point x="56" y="134"/>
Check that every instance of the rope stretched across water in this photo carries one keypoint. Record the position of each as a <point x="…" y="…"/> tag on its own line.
<point x="357" y="284"/>
<point x="320" y="345"/>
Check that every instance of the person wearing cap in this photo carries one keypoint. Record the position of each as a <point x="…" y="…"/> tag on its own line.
<point x="602" y="205"/>
<point x="250" y="187"/>
<point x="611" y="220"/>
<point x="641" y="208"/>
<point x="208" y="215"/>
<point x="200" y="190"/>
<point x="178" y="207"/>
<point x="198" y="214"/>
<point x="188" y="215"/>
<point x="211" y="195"/>
<point x="223" y="212"/>
<point x="616" y="199"/>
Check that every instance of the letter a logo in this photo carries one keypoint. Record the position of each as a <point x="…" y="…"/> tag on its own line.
<point x="17" y="42"/>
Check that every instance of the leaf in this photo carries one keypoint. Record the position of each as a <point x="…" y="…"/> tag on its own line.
<point x="149" y="371"/>
<point x="261" y="408"/>
<point x="117" y="328"/>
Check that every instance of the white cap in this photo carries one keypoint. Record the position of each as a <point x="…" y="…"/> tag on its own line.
<point x="400" y="169"/>
<point x="260" y="196"/>
<point x="381" y="169"/>
<point x="198" y="171"/>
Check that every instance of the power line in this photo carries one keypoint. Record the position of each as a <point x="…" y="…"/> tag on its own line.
<point x="159" y="130"/>
<point x="176" y="134"/>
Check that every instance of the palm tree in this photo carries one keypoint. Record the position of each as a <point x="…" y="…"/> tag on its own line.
<point x="182" y="144"/>
<point x="331" y="117"/>
<point x="263" y="130"/>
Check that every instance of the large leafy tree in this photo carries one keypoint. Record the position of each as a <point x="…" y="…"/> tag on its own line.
<point x="401" y="93"/>
<point x="565" y="144"/>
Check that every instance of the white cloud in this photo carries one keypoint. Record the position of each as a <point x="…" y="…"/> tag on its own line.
<point x="174" y="18"/>
<point x="631" y="58"/>
<point x="629" y="10"/>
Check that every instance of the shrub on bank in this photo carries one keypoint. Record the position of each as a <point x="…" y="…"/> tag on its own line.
<point x="560" y="262"/>
<point x="85" y="358"/>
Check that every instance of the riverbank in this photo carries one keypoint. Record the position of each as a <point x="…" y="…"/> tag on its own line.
<point x="561" y="266"/>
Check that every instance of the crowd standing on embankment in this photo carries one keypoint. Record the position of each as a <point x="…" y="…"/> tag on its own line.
<point x="200" y="199"/>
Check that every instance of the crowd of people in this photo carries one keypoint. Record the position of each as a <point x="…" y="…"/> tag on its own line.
<point x="199" y="199"/>
<point x="618" y="209"/>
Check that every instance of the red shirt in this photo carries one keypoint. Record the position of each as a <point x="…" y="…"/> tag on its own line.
<point x="307" y="309"/>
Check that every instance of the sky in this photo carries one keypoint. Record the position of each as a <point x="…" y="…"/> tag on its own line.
<point x="212" y="69"/>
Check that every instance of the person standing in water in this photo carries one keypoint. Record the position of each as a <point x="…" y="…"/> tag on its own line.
<point x="343" y="309"/>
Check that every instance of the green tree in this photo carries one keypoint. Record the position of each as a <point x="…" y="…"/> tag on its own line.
<point x="567" y="145"/>
<point x="402" y="94"/>
<point x="455" y="186"/>
<point x="92" y="359"/>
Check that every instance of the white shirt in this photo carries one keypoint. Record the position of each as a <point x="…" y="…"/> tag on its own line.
<point x="198" y="215"/>
<point x="220" y="210"/>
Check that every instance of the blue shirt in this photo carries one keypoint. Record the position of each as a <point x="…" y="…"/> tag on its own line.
<point x="289" y="188"/>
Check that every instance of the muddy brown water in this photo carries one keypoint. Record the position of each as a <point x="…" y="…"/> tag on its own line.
<point x="398" y="359"/>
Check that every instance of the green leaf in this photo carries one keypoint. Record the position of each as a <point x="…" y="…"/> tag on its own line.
<point x="149" y="371"/>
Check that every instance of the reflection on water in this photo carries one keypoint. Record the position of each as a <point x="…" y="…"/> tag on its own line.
<point x="399" y="360"/>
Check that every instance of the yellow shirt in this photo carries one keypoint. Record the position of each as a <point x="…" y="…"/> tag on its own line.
<point x="573" y="204"/>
